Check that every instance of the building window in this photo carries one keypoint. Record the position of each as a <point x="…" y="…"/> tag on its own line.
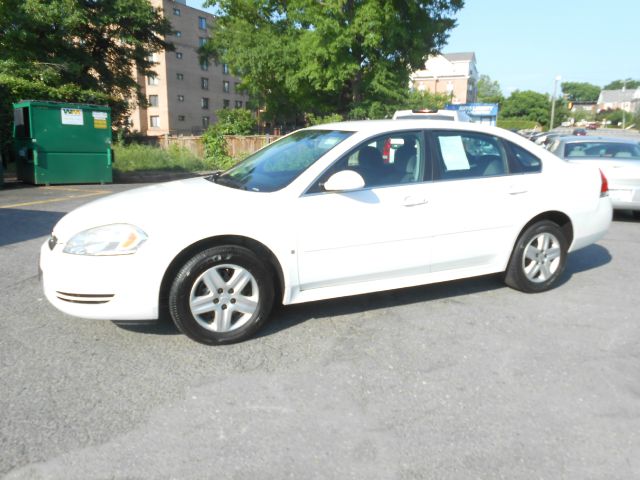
<point x="225" y="103"/>
<point x="204" y="103"/>
<point x="202" y="23"/>
<point x="225" y="86"/>
<point x="153" y="100"/>
<point x="205" y="122"/>
<point x="181" y="118"/>
<point x="154" y="121"/>
<point x="181" y="98"/>
<point x="176" y="12"/>
<point x="202" y="41"/>
<point x="225" y="69"/>
<point x="153" y="58"/>
<point x="153" y="80"/>
<point x="237" y="87"/>
<point x="178" y="55"/>
<point x="178" y="33"/>
<point x="238" y="103"/>
<point x="204" y="83"/>
<point x="180" y="76"/>
<point x="204" y="65"/>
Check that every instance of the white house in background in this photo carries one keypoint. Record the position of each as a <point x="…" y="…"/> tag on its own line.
<point x="627" y="100"/>
<point x="452" y="74"/>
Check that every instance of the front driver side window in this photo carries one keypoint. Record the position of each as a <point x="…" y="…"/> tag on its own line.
<point x="390" y="159"/>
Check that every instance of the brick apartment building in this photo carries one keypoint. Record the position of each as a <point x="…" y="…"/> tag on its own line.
<point x="185" y="93"/>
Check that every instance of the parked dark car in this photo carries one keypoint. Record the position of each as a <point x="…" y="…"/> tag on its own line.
<point x="579" y="131"/>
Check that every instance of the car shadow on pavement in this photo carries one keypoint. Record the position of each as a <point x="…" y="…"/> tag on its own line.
<point x="284" y="317"/>
<point x="292" y="315"/>
<point x="587" y="258"/>
<point x="625" y="216"/>
<point x="17" y="225"/>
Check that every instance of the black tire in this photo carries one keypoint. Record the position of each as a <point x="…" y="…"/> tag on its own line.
<point x="216" y="266"/>
<point x="542" y="272"/>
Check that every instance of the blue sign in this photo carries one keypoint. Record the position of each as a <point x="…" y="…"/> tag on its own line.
<point x="479" y="112"/>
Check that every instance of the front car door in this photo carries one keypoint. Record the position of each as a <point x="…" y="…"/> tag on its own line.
<point x="371" y="234"/>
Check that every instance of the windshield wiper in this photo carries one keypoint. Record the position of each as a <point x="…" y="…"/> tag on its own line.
<point x="226" y="181"/>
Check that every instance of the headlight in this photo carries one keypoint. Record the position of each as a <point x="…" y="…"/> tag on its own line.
<point x="116" y="239"/>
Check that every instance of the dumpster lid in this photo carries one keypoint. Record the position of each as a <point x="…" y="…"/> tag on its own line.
<point x="86" y="106"/>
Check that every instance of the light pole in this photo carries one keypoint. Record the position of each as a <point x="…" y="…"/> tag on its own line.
<point x="624" y="85"/>
<point x="553" y="101"/>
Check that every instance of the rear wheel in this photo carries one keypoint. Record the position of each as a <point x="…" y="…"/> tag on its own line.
<point x="221" y="295"/>
<point x="538" y="259"/>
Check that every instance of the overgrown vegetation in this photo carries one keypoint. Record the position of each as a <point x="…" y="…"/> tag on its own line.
<point x="135" y="157"/>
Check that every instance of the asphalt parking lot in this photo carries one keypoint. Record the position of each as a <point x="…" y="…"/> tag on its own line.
<point x="465" y="379"/>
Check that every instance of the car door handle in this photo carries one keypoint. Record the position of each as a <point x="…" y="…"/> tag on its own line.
<point x="517" y="191"/>
<point x="412" y="201"/>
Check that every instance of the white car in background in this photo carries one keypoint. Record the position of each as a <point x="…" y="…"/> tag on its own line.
<point x="618" y="158"/>
<point x="321" y="214"/>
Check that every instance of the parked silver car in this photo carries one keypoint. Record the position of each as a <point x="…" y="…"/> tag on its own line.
<point x="617" y="158"/>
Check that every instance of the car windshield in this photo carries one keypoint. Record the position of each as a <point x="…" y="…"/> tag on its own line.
<point x="617" y="150"/>
<point x="277" y="165"/>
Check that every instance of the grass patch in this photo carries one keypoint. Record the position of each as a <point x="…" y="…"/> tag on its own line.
<point x="132" y="158"/>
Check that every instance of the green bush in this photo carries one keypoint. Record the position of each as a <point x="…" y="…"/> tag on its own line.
<point x="230" y="122"/>
<point x="313" y="120"/>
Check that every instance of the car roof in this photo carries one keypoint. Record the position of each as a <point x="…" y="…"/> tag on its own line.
<point x="382" y="126"/>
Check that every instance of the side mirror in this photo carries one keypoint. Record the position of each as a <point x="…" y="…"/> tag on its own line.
<point x="344" y="181"/>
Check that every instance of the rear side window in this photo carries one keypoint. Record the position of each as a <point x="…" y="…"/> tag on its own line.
<point x="523" y="161"/>
<point x="469" y="155"/>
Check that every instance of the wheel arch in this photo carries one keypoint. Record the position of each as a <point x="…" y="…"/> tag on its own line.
<point x="561" y="219"/>
<point x="255" y="246"/>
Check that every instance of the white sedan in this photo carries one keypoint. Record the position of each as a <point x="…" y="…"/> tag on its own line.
<point x="325" y="213"/>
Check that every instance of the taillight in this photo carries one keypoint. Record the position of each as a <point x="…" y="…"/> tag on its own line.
<point x="604" y="185"/>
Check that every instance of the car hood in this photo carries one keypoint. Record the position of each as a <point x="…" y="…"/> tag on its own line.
<point x="171" y="206"/>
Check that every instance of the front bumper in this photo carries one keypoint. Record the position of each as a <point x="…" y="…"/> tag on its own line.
<point x="124" y="287"/>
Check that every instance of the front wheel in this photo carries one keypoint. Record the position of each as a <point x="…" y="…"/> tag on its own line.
<point x="538" y="259"/>
<point x="221" y="295"/>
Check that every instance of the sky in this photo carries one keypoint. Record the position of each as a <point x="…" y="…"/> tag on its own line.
<point x="525" y="45"/>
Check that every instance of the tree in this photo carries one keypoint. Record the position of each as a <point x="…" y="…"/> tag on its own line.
<point x="87" y="48"/>
<point x="334" y="56"/>
<point x="530" y="105"/>
<point x="489" y="90"/>
<point x="580" y="91"/>
<point x="617" y="84"/>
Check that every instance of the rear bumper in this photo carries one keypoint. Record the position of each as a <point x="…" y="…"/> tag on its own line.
<point x="625" y="198"/>
<point x="589" y="227"/>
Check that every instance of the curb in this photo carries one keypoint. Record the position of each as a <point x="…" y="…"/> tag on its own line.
<point x="154" y="176"/>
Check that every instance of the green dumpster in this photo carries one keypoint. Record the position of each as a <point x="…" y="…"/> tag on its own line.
<point x="62" y="142"/>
